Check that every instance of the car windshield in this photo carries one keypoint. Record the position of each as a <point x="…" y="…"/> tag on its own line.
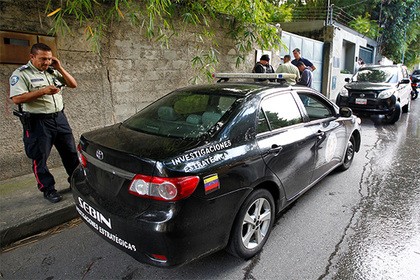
<point x="377" y="75"/>
<point x="183" y="114"/>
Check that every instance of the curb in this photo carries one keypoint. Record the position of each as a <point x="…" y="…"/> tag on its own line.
<point x="35" y="226"/>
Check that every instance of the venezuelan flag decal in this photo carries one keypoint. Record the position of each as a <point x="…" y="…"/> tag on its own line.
<point x="211" y="183"/>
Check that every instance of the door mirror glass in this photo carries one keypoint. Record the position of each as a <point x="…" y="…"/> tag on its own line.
<point x="346" y="112"/>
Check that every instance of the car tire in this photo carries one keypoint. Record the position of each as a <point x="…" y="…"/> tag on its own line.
<point x="349" y="155"/>
<point x="414" y="94"/>
<point x="395" y="115"/>
<point x="407" y="107"/>
<point x="252" y="225"/>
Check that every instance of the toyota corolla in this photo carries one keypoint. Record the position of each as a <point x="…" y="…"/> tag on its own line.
<point x="208" y="167"/>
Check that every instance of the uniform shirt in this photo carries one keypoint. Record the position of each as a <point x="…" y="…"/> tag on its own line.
<point x="291" y="69"/>
<point x="28" y="78"/>
<point x="304" y="60"/>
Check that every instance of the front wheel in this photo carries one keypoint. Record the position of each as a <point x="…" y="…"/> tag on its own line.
<point x="252" y="225"/>
<point x="348" y="157"/>
<point x="395" y="115"/>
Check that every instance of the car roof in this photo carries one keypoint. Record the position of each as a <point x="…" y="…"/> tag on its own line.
<point x="380" y="66"/>
<point x="238" y="88"/>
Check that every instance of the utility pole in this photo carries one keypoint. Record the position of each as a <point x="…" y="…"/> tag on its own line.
<point x="403" y="46"/>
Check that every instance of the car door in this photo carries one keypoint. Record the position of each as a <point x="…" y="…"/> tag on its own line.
<point x="330" y="133"/>
<point x="404" y="88"/>
<point x="286" y="144"/>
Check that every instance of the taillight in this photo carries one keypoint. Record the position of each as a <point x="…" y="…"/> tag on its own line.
<point x="82" y="158"/>
<point x="162" y="188"/>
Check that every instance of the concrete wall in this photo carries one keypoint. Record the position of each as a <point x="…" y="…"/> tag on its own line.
<point x="130" y="73"/>
<point x="345" y="49"/>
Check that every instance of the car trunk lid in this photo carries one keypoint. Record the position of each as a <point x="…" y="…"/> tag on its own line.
<point x="116" y="154"/>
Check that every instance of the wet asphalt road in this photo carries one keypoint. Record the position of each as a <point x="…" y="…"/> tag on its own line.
<point x="360" y="224"/>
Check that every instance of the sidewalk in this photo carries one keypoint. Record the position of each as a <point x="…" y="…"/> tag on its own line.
<point x="25" y="212"/>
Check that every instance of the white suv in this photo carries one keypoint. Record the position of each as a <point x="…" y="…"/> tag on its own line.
<point x="378" y="90"/>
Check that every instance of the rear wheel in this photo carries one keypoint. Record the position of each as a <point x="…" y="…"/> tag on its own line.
<point x="395" y="115"/>
<point x="252" y="225"/>
<point x="414" y="94"/>
<point x="406" y="108"/>
<point x="348" y="157"/>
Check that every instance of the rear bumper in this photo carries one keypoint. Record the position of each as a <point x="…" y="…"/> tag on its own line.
<point x="168" y="235"/>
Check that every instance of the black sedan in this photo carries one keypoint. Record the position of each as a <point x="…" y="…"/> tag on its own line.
<point x="208" y="167"/>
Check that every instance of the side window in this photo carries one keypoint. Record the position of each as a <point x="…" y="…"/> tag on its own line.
<point x="316" y="108"/>
<point x="277" y="112"/>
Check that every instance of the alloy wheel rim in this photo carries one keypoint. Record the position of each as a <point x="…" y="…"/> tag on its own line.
<point x="350" y="151"/>
<point x="256" y="223"/>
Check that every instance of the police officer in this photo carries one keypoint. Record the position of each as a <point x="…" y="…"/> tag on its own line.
<point x="263" y="66"/>
<point x="37" y="90"/>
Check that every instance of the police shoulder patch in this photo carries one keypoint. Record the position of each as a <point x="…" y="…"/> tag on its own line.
<point x="14" y="80"/>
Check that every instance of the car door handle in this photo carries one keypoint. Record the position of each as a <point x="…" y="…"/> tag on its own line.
<point x="276" y="149"/>
<point x="320" y="134"/>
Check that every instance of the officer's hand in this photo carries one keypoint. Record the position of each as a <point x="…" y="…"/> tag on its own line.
<point x="55" y="63"/>
<point x="50" y="90"/>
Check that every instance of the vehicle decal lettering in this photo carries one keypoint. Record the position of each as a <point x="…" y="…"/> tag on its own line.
<point x="202" y="152"/>
<point x="101" y="230"/>
<point x="211" y="183"/>
<point x="191" y="166"/>
<point x="94" y="213"/>
<point x="331" y="147"/>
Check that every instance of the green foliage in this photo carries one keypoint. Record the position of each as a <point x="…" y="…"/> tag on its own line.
<point x="400" y="34"/>
<point x="248" y="22"/>
<point x="246" y="19"/>
<point x="366" y="26"/>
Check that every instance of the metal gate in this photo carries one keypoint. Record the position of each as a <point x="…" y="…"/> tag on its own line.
<point x="309" y="49"/>
<point x="366" y="54"/>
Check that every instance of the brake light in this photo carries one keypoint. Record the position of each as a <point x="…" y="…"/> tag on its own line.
<point x="160" y="258"/>
<point x="82" y="158"/>
<point x="162" y="188"/>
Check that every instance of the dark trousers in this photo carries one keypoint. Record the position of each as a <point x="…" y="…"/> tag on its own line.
<point x="47" y="131"/>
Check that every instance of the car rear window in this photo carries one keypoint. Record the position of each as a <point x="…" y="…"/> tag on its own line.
<point x="377" y="75"/>
<point x="182" y="114"/>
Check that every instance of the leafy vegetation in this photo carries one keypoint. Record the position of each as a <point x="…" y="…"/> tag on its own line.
<point x="248" y="22"/>
<point x="394" y="23"/>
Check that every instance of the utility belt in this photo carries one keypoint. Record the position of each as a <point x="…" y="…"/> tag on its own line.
<point x="44" y="116"/>
<point x="26" y="117"/>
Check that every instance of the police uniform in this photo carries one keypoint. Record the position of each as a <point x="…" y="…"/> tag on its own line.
<point x="48" y="125"/>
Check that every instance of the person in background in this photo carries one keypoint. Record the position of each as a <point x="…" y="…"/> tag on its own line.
<point x="298" y="58"/>
<point x="37" y="89"/>
<point x="263" y="66"/>
<point x="360" y="64"/>
<point x="288" y="67"/>
<point x="306" y="76"/>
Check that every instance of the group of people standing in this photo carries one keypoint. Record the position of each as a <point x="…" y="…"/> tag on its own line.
<point x="301" y="67"/>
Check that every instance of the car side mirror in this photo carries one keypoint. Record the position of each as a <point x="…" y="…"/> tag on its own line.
<point x="405" y="81"/>
<point x="347" y="80"/>
<point x="345" y="112"/>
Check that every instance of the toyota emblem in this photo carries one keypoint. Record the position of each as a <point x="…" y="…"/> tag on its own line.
<point x="99" y="154"/>
<point x="362" y="95"/>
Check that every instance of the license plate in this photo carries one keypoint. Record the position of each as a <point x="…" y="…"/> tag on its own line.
<point x="361" y="101"/>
